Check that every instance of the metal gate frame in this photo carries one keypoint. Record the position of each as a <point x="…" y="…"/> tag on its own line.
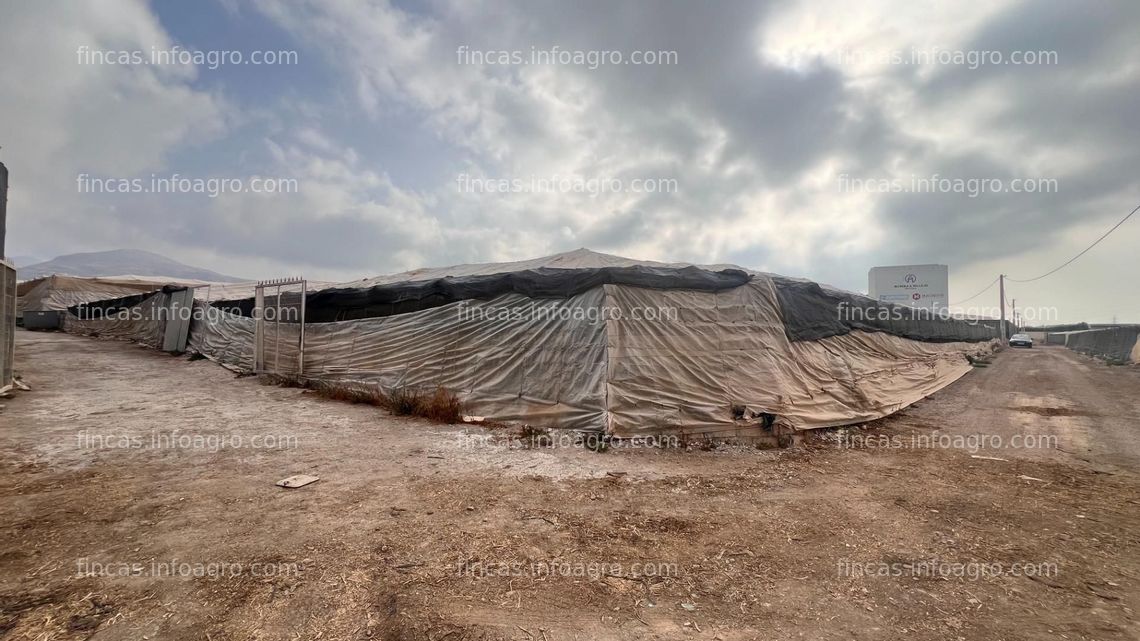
<point x="259" y="364"/>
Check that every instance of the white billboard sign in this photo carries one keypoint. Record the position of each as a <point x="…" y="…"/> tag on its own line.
<point x="925" y="286"/>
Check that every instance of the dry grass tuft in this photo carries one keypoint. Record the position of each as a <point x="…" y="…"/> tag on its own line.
<point x="405" y="402"/>
<point x="441" y="406"/>
<point x="352" y="393"/>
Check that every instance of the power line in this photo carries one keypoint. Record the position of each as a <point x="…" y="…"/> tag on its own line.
<point x="984" y="290"/>
<point x="1058" y="268"/>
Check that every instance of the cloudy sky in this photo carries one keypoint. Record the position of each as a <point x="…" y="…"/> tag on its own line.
<point x="810" y="138"/>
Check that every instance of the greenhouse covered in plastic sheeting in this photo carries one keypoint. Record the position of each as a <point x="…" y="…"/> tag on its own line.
<point x="589" y="341"/>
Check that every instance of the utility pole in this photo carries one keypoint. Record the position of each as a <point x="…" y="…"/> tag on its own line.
<point x="1001" y="294"/>
<point x="1013" y="308"/>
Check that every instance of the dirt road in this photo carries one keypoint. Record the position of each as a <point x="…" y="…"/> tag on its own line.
<point x="139" y="503"/>
<point x="1091" y="410"/>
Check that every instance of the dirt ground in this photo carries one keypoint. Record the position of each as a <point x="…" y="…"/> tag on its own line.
<point x="139" y="503"/>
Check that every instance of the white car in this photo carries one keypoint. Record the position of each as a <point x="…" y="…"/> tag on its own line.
<point x="1021" y="340"/>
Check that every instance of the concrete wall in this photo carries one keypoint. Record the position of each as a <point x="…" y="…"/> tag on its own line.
<point x="1117" y="344"/>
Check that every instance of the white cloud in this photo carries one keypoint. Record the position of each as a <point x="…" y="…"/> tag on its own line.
<point x="64" y="118"/>
<point x="765" y="108"/>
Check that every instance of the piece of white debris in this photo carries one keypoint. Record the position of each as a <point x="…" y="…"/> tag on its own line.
<point x="300" y="480"/>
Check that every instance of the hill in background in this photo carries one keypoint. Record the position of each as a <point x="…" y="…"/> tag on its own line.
<point x="118" y="262"/>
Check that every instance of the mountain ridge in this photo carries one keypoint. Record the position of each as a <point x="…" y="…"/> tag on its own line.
<point x="118" y="262"/>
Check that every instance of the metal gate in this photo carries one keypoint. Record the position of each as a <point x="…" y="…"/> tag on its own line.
<point x="179" y="310"/>
<point x="279" y="327"/>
